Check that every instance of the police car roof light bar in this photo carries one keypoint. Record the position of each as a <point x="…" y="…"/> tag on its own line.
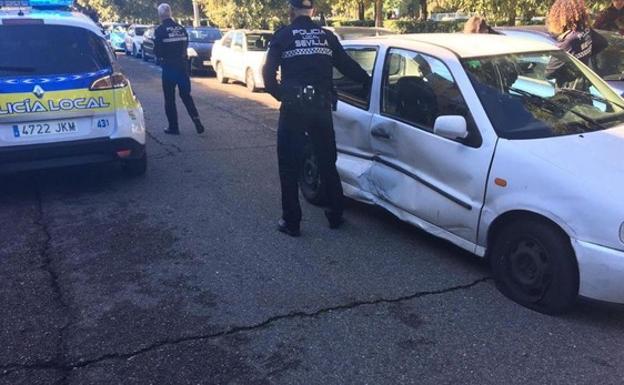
<point x="37" y="4"/>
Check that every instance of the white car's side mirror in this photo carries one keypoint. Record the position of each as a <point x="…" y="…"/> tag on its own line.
<point x="451" y="127"/>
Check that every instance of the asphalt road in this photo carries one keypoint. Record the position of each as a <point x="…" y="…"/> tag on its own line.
<point x="180" y="278"/>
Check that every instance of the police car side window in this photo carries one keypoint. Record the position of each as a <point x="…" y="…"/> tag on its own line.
<point x="418" y="88"/>
<point x="350" y="91"/>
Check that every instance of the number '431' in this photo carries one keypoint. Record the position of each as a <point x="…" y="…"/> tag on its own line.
<point x="103" y="123"/>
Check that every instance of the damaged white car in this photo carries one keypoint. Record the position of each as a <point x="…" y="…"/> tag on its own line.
<point x="506" y="148"/>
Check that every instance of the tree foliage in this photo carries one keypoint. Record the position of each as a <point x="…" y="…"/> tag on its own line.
<point x="271" y="13"/>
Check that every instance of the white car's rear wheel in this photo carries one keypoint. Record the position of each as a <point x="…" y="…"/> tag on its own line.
<point x="220" y="74"/>
<point x="310" y="181"/>
<point x="250" y="80"/>
<point x="534" y="264"/>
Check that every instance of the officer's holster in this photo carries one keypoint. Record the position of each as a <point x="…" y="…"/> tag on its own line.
<point x="307" y="97"/>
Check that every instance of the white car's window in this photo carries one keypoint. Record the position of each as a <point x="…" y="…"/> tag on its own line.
<point x="258" y="41"/>
<point x="238" y="41"/>
<point x="543" y="94"/>
<point x="227" y="40"/>
<point x="417" y="89"/>
<point x="350" y="91"/>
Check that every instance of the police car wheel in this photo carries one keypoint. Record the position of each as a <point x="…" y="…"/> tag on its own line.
<point x="534" y="265"/>
<point x="135" y="167"/>
<point x="220" y="75"/>
<point x="310" y="181"/>
<point x="250" y="81"/>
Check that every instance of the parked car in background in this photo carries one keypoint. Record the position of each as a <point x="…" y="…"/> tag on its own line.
<point x="240" y="56"/>
<point x="116" y="35"/>
<point x="609" y="64"/>
<point x="134" y="39"/>
<point x="468" y="138"/>
<point x="350" y="33"/>
<point x="147" y="47"/>
<point x="201" y="42"/>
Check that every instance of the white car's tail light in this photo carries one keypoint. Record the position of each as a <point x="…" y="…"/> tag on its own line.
<point x="110" y="82"/>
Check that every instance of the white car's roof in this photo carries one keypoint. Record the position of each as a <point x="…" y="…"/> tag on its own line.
<point x="71" y="19"/>
<point x="463" y="45"/>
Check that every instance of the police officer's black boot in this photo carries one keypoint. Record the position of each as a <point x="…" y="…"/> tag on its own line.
<point x="170" y="131"/>
<point x="283" y="227"/>
<point x="198" y="125"/>
<point x="335" y="220"/>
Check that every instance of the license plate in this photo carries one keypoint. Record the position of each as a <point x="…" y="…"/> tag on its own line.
<point x="29" y="130"/>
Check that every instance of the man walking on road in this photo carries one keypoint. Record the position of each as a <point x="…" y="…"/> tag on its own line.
<point x="170" y="44"/>
<point x="307" y="55"/>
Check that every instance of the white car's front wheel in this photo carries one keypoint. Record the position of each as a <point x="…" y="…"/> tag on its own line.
<point x="534" y="264"/>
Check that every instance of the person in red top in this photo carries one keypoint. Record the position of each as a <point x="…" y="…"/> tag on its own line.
<point x="612" y="18"/>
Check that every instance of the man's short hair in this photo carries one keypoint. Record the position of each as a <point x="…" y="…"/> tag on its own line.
<point x="164" y="11"/>
<point x="302" y="11"/>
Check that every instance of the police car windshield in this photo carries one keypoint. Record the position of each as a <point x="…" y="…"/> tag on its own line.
<point x="258" y="41"/>
<point x="204" y="35"/>
<point x="50" y="50"/>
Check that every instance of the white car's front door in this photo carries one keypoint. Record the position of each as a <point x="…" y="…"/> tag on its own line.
<point x="439" y="181"/>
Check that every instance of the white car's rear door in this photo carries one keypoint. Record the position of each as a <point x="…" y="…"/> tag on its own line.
<point x="352" y="124"/>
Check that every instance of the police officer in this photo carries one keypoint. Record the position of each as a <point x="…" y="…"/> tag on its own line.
<point x="170" y="44"/>
<point x="307" y="55"/>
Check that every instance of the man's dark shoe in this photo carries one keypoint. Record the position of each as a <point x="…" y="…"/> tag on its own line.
<point x="199" y="126"/>
<point x="169" y="131"/>
<point x="283" y="227"/>
<point x="335" y="221"/>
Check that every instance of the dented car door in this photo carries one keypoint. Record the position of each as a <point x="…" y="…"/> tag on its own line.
<point x="435" y="182"/>
<point x="352" y="123"/>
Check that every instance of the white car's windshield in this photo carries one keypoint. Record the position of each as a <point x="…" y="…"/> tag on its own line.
<point x="544" y="94"/>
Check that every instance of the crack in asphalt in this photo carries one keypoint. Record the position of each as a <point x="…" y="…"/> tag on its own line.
<point x="47" y="266"/>
<point x="67" y="367"/>
<point x="167" y="146"/>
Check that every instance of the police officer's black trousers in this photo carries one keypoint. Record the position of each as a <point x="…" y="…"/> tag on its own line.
<point x="173" y="77"/>
<point x="291" y="141"/>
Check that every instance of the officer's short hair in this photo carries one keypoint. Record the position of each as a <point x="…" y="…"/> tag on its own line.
<point x="301" y="11"/>
<point x="164" y="11"/>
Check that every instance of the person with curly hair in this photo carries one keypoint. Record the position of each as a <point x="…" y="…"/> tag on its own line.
<point x="568" y="22"/>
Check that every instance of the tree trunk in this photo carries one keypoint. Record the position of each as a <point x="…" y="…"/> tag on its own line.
<point x="424" y="12"/>
<point x="379" y="16"/>
<point x="512" y="17"/>
<point x="361" y="10"/>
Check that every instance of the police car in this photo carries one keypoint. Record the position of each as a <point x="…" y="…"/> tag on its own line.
<point x="63" y="100"/>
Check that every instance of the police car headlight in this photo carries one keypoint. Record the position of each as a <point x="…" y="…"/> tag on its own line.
<point x="110" y="82"/>
<point x="190" y="52"/>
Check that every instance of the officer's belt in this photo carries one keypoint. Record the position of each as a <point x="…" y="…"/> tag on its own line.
<point x="306" y="96"/>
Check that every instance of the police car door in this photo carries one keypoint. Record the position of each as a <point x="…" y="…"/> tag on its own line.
<point x="352" y="123"/>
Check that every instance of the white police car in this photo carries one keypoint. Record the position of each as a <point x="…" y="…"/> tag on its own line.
<point x="63" y="100"/>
